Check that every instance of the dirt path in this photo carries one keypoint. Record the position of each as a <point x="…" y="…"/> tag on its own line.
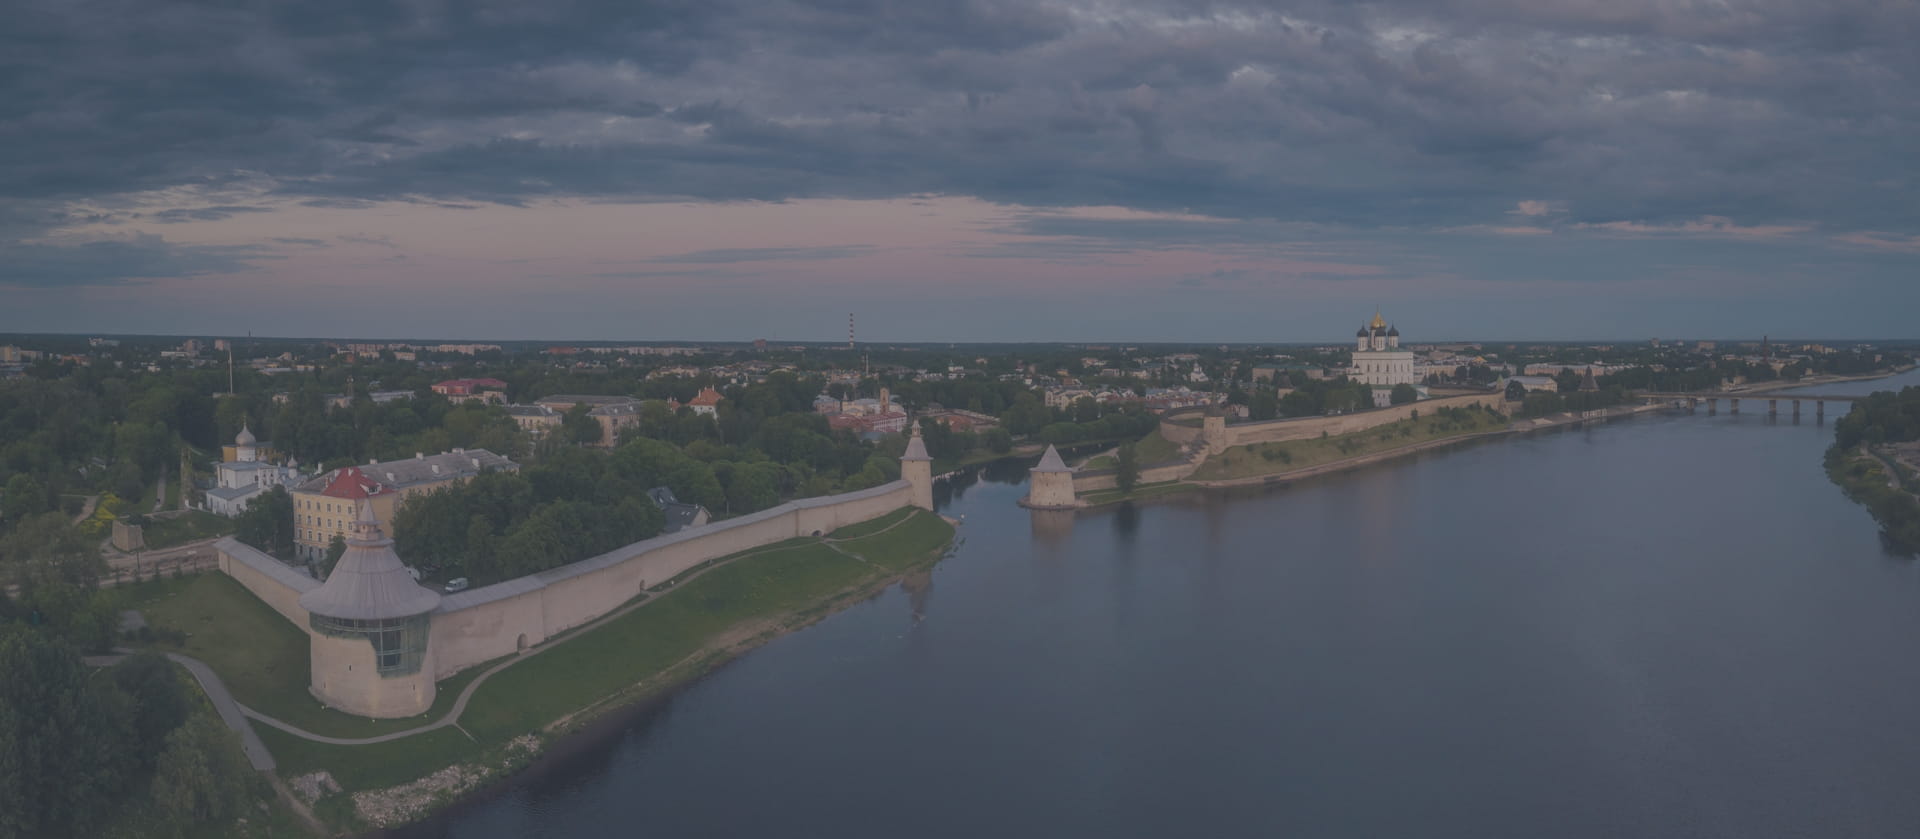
<point x="87" y="508"/>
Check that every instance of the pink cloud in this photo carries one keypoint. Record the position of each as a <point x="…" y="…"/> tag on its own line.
<point x="1881" y="241"/>
<point x="1703" y="226"/>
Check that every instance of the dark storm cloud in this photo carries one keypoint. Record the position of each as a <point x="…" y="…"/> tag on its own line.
<point x="1393" y="114"/>
<point x="115" y="261"/>
<point x="186" y="214"/>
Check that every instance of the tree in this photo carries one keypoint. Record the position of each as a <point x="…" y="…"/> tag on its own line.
<point x="335" y="549"/>
<point x="1516" y="391"/>
<point x="1264" y="405"/>
<point x="1403" y="394"/>
<point x="24" y="497"/>
<point x="202" y="778"/>
<point x="63" y="740"/>
<point x="267" y="523"/>
<point x="1129" y="468"/>
<point x="159" y="701"/>
<point x="997" y="440"/>
<point x="579" y="426"/>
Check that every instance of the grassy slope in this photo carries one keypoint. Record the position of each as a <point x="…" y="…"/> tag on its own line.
<point x="791" y="582"/>
<point x="1151" y="449"/>
<point x="268" y="671"/>
<point x="1271" y="458"/>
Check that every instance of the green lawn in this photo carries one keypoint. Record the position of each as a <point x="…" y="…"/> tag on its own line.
<point x="1151" y="449"/>
<point x="185" y="527"/>
<point x="1274" y="458"/>
<point x="263" y="659"/>
<point x="371" y="766"/>
<point x="261" y="656"/>
<point x="854" y="531"/>
<point x="772" y="586"/>
<point x="649" y="640"/>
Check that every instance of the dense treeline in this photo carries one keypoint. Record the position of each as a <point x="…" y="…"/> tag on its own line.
<point x="129" y="752"/>
<point x="1883" y="417"/>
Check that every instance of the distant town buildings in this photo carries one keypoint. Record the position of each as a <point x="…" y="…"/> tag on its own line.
<point x="614" y="413"/>
<point x="489" y="391"/>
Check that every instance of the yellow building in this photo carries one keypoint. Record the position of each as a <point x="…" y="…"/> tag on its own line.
<point x="328" y="505"/>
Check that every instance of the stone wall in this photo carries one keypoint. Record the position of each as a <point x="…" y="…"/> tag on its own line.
<point x="497" y="620"/>
<point x="1300" y="428"/>
<point x="276" y="584"/>
<point x="1171" y="470"/>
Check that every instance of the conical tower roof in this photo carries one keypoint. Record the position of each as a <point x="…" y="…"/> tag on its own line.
<point x="1051" y="462"/>
<point x="369" y="582"/>
<point x="916" y="449"/>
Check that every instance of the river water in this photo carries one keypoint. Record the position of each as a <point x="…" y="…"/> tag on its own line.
<point x="1668" y="626"/>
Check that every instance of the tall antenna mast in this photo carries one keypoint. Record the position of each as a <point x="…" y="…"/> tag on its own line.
<point x="849" y="331"/>
<point x="229" y="368"/>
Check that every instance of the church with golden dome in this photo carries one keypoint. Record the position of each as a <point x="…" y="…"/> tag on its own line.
<point x="1379" y="361"/>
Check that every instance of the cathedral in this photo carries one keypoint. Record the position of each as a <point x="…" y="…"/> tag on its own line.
<point x="1379" y="361"/>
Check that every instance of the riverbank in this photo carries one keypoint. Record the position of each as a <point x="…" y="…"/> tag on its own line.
<point x="1289" y="475"/>
<point x="508" y="712"/>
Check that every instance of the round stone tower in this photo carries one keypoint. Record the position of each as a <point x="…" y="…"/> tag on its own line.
<point x="369" y="624"/>
<point x="916" y="467"/>
<point x="1050" y="484"/>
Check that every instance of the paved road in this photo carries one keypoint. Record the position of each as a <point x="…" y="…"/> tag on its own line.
<point x="231" y="711"/>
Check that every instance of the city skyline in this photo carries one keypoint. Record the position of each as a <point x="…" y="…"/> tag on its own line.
<point x="1081" y="172"/>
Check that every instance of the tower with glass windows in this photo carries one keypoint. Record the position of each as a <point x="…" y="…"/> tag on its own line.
<point x="369" y="624"/>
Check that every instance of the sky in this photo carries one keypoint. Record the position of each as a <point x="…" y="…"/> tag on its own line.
<point x="961" y="170"/>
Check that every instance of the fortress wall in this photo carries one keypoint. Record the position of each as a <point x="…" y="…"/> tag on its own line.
<point x="1110" y="479"/>
<point x="276" y="584"/>
<point x="1274" y="431"/>
<point x="1177" y="432"/>
<point x="486" y="623"/>
<point x="485" y="632"/>
<point x="825" y="515"/>
<point x="575" y="599"/>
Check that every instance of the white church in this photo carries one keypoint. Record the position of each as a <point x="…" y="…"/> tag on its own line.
<point x="1379" y="361"/>
<point x="240" y="480"/>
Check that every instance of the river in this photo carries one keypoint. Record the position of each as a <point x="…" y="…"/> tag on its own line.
<point x="1667" y="626"/>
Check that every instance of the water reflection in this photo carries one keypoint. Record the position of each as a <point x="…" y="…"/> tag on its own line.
<point x="1052" y="529"/>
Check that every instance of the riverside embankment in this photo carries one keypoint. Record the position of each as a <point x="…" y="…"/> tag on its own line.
<point x="1634" y="628"/>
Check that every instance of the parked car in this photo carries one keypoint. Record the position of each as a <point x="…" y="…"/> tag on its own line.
<point x="456" y="584"/>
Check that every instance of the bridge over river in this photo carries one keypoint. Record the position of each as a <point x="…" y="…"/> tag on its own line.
<point x="1774" y="398"/>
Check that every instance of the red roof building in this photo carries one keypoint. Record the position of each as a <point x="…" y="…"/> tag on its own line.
<point x="707" y="402"/>
<point x="468" y="387"/>
<point x="351" y="483"/>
